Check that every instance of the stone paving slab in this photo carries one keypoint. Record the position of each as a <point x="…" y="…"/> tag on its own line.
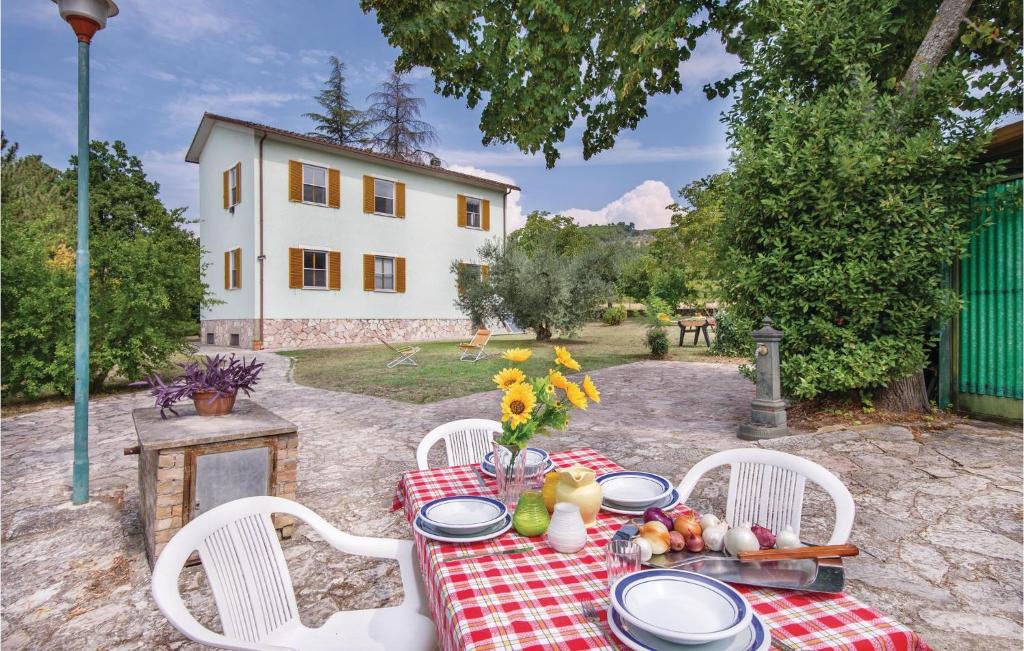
<point x="939" y="514"/>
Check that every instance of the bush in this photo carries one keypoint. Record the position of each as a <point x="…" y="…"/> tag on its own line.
<point x="657" y="343"/>
<point x="614" y="315"/>
<point x="732" y="336"/>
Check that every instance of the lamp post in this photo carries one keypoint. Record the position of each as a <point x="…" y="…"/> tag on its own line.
<point x="86" y="17"/>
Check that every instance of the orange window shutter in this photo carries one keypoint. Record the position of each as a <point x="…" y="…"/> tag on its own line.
<point x="368" y="261"/>
<point x="333" y="188"/>
<point x="227" y="270"/>
<point x="400" y="275"/>
<point x="368" y="194"/>
<point x="334" y="270"/>
<point x="295" y="268"/>
<point x="227" y="199"/>
<point x="400" y="200"/>
<point x="294" y="181"/>
<point x="485" y="217"/>
<point x="461" y="211"/>
<point x="238" y="182"/>
<point x="485" y="272"/>
<point x="238" y="267"/>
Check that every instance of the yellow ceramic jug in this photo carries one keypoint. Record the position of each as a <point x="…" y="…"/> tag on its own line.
<point x="551" y="481"/>
<point x="578" y="486"/>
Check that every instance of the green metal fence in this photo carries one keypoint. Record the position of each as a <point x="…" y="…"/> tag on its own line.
<point x="991" y="333"/>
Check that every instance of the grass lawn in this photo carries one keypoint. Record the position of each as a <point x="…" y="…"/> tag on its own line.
<point x="441" y="375"/>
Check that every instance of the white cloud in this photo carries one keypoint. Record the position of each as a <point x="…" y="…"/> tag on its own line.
<point x="244" y="104"/>
<point x="514" y="208"/>
<point x="644" y="206"/>
<point x="185" y="21"/>
<point x="709" y="62"/>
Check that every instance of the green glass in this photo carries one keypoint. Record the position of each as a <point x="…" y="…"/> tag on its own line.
<point x="531" y="516"/>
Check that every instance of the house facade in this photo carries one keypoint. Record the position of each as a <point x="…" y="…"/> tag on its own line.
<point x="307" y="243"/>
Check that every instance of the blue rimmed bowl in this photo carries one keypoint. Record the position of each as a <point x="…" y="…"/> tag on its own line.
<point x="463" y="514"/>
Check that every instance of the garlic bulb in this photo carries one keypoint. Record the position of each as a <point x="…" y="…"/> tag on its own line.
<point x="714" y="536"/>
<point x="656" y="533"/>
<point x="708" y="520"/>
<point x="787" y="539"/>
<point x="645" y="548"/>
<point x="741" y="539"/>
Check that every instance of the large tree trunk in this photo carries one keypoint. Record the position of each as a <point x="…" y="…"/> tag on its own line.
<point x="905" y="394"/>
<point x="543" y="331"/>
<point x="937" y="43"/>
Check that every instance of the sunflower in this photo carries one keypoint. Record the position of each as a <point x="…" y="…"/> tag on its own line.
<point x="517" y="405"/>
<point x="591" y="390"/>
<point x="506" y="377"/>
<point x="563" y="357"/>
<point x="664" y="317"/>
<point x="575" y="395"/>
<point x="557" y="379"/>
<point x="517" y="355"/>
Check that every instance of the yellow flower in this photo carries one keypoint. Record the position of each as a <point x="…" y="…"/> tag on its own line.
<point x="591" y="390"/>
<point x="563" y="357"/>
<point x="549" y="389"/>
<point x="663" y="317"/>
<point x="557" y="379"/>
<point x="517" y="355"/>
<point x="575" y="395"/>
<point x="517" y="405"/>
<point x="506" y="377"/>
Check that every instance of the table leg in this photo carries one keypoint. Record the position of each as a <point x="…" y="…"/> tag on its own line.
<point x="682" y="333"/>
<point x="707" y="342"/>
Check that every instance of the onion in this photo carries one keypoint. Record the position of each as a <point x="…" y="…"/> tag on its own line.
<point x="655" y="533"/>
<point x="694" y="543"/>
<point x="654" y="514"/>
<point x="687" y="525"/>
<point x="676" y="542"/>
<point x="765" y="537"/>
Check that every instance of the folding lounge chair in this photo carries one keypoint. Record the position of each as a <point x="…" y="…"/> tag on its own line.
<point x="405" y="354"/>
<point x="474" y="350"/>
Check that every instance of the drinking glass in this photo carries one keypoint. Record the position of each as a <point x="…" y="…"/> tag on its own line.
<point x="621" y="557"/>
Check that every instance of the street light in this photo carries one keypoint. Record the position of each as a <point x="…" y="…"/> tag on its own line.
<point x="86" y="17"/>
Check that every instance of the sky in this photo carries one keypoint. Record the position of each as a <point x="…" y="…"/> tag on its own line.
<point x="158" y="66"/>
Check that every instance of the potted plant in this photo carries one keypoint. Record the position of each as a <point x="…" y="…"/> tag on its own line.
<point x="212" y="383"/>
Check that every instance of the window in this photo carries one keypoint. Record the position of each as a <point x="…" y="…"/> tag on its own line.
<point x="234" y="272"/>
<point x="209" y="338"/>
<point x="384" y="197"/>
<point x="234" y="340"/>
<point x="314" y="268"/>
<point x="384" y="273"/>
<point x="314" y="184"/>
<point x="233" y="198"/>
<point x="472" y="212"/>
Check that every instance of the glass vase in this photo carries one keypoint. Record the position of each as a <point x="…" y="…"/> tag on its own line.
<point x="531" y="518"/>
<point x="509" y="473"/>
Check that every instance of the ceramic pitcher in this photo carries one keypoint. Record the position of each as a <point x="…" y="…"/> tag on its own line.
<point x="579" y="486"/>
<point x="566" y="532"/>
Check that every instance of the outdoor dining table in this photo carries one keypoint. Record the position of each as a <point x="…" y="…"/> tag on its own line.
<point x="533" y="599"/>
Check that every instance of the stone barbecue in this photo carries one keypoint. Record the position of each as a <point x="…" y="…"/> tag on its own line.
<point x="189" y="464"/>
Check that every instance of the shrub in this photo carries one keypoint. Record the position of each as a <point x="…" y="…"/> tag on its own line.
<point x="732" y="336"/>
<point x="614" y="315"/>
<point x="657" y="343"/>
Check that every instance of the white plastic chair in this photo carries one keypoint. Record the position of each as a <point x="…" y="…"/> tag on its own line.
<point x="253" y="589"/>
<point x="465" y="441"/>
<point x="766" y="487"/>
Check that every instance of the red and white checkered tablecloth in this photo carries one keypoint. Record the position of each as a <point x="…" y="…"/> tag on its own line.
<point x="530" y="600"/>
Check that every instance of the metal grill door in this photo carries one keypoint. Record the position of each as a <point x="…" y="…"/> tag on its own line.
<point x="221" y="477"/>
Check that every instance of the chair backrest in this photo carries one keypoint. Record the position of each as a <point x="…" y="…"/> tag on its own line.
<point x="244" y="564"/>
<point x="465" y="441"/>
<point x="386" y="343"/>
<point x="481" y="337"/>
<point x="766" y="487"/>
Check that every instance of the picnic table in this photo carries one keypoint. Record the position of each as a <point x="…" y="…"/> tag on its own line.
<point x="532" y="600"/>
<point x="696" y="325"/>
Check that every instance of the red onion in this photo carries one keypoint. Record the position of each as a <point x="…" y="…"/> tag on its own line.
<point x="694" y="543"/>
<point x="676" y="542"/>
<point x="657" y="515"/>
<point x="765" y="537"/>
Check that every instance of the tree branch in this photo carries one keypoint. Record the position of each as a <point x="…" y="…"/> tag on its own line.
<point x="937" y="42"/>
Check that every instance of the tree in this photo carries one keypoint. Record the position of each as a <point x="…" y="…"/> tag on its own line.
<point x="144" y="273"/>
<point x="393" y="116"/>
<point x="539" y="68"/>
<point x="544" y="229"/>
<point x="847" y="197"/>
<point x="340" y="122"/>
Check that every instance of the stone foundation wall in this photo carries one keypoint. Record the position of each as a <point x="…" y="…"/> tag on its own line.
<point x="313" y="333"/>
<point x="222" y="329"/>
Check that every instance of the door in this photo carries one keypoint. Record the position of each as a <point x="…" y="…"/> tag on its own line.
<point x="220" y="477"/>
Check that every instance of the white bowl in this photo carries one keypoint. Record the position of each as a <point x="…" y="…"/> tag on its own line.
<point x="633" y="488"/>
<point x="463" y="513"/>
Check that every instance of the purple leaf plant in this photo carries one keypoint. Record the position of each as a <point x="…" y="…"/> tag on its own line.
<point x="221" y="375"/>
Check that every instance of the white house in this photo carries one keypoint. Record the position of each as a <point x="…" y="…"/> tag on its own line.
<point x="308" y="243"/>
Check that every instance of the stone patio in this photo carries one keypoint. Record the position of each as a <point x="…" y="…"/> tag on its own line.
<point x="939" y="514"/>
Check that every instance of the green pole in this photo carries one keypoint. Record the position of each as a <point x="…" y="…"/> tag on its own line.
<point x="80" y="475"/>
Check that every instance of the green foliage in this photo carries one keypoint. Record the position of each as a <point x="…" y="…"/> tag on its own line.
<point x="657" y="343"/>
<point x="340" y="122"/>
<point x="732" y="336"/>
<point x="144" y="273"/>
<point x="537" y="283"/>
<point x="845" y="201"/>
<point x="542" y="229"/>
<point x="615" y="315"/>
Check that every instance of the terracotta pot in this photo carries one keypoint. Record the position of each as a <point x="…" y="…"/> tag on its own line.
<point x="218" y="406"/>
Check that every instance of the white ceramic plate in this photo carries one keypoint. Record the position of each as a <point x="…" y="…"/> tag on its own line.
<point x="534" y="456"/>
<point x="633" y="488"/>
<point x="463" y="513"/>
<point x="754" y="638"/>
<point x="681" y="606"/>
<point x="427" y="531"/>
<point x="667" y="503"/>
<point x="488" y="469"/>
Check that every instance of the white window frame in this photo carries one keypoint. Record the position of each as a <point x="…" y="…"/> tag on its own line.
<point x="313" y="185"/>
<point x="233" y="196"/>
<point x="234" y="273"/>
<point x="479" y="214"/>
<point x="393" y="198"/>
<point x="377" y="259"/>
<point x="327" y="262"/>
